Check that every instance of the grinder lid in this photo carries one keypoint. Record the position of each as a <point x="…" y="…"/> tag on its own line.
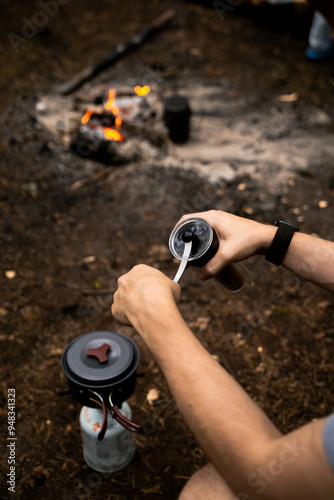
<point x="100" y="358"/>
<point x="202" y="238"/>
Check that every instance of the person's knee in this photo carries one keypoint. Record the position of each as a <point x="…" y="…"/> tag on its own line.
<point x="206" y="483"/>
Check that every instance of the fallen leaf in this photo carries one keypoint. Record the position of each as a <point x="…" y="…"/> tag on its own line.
<point x="324" y="304"/>
<point x="240" y="343"/>
<point x="260" y="368"/>
<point x="154" y="489"/>
<point x="77" y="185"/>
<point x="38" y="475"/>
<point x="195" y="51"/>
<point x="152" y="395"/>
<point x="3" y="311"/>
<point x="202" y="322"/>
<point x="88" y="260"/>
<point x="10" y="274"/>
<point x="288" y="97"/>
<point x="248" y="210"/>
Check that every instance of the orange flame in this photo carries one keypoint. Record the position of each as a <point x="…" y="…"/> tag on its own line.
<point x="112" y="134"/>
<point x="111" y="99"/>
<point x="141" y="91"/>
<point x="118" y="121"/>
<point x="86" y="117"/>
<point x="110" y="106"/>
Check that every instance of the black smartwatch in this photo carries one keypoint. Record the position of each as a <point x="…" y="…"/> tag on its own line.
<point x="281" y="242"/>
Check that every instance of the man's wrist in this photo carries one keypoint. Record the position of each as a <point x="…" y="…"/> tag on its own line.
<point x="266" y="235"/>
<point x="146" y="321"/>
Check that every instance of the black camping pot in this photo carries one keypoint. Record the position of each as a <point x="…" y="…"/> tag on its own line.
<point x="101" y="371"/>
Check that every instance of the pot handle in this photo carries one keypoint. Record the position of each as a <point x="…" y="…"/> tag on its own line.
<point x="122" y="420"/>
<point x="103" y="429"/>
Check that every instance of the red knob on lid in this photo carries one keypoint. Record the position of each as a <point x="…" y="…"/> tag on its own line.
<point x="101" y="353"/>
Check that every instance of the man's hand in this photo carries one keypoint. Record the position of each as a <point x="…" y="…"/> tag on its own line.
<point x="142" y="292"/>
<point x="310" y="257"/>
<point x="239" y="239"/>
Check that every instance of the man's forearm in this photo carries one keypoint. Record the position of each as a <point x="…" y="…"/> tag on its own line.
<point x="310" y="257"/>
<point x="235" y="435"/>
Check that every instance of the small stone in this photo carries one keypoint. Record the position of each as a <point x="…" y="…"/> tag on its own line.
<point x="40" y="106"/>
<point x="10" y="274"/>
<point x="323" y="204"/>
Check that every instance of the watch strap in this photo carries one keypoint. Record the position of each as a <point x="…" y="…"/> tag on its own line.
<point x="281" y="242"/>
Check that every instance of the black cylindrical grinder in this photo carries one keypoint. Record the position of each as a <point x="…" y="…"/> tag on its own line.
<point x="205" y="245"/>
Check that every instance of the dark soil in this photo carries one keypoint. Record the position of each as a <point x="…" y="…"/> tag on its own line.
<point x="123" y="216"/>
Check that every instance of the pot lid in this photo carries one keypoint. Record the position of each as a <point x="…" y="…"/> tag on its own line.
<point x="100" y="358"/>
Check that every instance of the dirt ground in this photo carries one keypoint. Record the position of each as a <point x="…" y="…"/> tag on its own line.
<point x="123" y="216"/>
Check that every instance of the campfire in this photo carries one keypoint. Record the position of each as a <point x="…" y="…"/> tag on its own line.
<point x="108" y="118"/>
<point x="113" y="129"/>
<point x="115" y="126"/>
